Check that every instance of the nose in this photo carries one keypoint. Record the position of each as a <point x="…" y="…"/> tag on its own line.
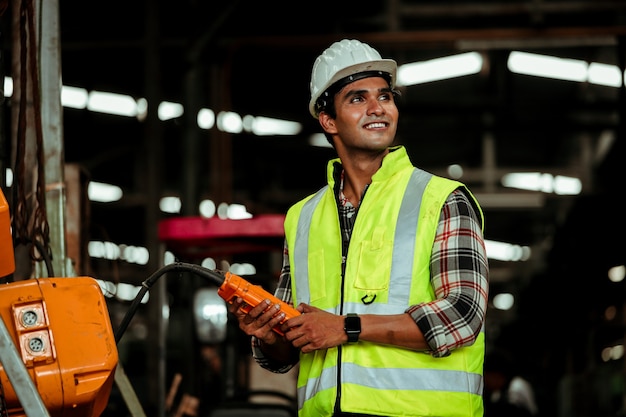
<point x="375" y="107"/>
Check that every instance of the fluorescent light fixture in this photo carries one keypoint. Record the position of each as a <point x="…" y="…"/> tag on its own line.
<point x="103" y="250"/>
<point x="8" y="177"/>
<point x="103" y="193"/>
<point x="604" y="74"/>
<point x="142" y="109"/>
<point x="231" y="211"/>
<point x="455" y="171"/>
<point x="111" y="251"/>
<point x="567" y="185"/>
<point x="547" y="66"/>
<point x="207" y="208"/>
<point x="612" y="353"/>
<point x="547" y="183"/>
<point x="121" y="291"/>
<point x="507" y="252"/>
<point x="230" y="122"/>
<point x="209" y="263"/>
<point x="168" y="110"/>
<point x="111" y="103"/>
<point x="617" y="273"/>
<point x="74" y="97"/>
<point x="534" y="181"/>
<point x="319" y="140"/>
<point x="206" y="119"/>
<point x="503" y="301"/>
<point x="8" y="86"/>
<point x="170" y="204"/>
<point x="439" y="68"/>
<point x="242" y="269"/>
<point x="128" y="292"/>
<point x="265" y="126"/>
<point x="108" y="288"/>
<point x="222" y="210"/>
<point x="169" y="258"/>
<point x="238" y="212"/>
<point x="210" y="316"/>
<point x="134" y="254"/>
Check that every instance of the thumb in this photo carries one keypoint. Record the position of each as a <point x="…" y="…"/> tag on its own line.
<point x="305" y="308"/>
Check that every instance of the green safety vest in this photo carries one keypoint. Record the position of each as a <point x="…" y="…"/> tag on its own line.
<point x="387" y="270"/>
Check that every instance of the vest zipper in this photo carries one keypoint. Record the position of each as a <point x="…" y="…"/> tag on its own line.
<point x="344" y="260"/>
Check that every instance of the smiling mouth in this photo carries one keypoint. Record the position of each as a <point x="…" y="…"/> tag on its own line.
<point x="376" y="125"/>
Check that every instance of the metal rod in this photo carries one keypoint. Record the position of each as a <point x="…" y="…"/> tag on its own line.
<point x="18" y="375"/>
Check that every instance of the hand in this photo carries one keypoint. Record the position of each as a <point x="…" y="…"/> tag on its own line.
<point x="259" y="321"/>
<point x="314" y="329"/>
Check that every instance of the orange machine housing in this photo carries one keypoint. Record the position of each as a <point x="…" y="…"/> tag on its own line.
<point x="7" y="260"/>
<point x="62" y="330"/>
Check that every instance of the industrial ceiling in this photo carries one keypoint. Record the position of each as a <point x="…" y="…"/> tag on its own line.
<point x="255" y="58"/>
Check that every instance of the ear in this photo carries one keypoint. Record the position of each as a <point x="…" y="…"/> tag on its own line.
<point x="327" y="123"/>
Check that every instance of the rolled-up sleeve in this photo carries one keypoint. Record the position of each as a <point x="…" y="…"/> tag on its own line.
<point x="459" y="276"/>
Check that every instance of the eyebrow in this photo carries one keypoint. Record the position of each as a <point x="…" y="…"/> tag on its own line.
<point x="350" y="93"/>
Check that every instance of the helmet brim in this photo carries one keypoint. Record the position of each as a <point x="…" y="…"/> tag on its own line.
<point x="388" y="66"/>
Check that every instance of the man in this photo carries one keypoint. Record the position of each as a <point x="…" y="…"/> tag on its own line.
<point x="387" y="264"/>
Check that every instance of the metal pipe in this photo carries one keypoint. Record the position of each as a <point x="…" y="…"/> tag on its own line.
<point x="18" y="375"/>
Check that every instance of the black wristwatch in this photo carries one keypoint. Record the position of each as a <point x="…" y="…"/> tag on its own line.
<point x="352" y="327"/>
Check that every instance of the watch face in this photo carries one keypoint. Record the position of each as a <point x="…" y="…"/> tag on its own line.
<point x="352" y="327"/>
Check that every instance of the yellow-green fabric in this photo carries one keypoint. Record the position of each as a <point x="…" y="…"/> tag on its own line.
<point x="387" y="270"/>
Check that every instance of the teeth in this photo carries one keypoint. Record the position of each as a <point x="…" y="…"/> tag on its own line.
<point x="375" y="125"/>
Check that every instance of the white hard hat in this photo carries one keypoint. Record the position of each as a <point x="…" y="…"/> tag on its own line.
<point x="343" y="59"/>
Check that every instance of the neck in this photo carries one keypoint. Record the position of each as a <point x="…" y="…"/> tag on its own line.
<point x="358" y="172"/>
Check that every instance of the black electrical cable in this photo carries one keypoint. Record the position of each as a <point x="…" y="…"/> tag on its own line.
<point x="214" y="276"/>
<point x="45" y="256"/>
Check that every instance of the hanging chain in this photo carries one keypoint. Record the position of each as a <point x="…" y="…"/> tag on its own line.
<point x="35" y="230"/>
<point x="41" y="228"/>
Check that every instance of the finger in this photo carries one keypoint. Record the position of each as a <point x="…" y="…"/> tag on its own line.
<point x="269" y="316"/>
<point x="260" y="308"/>
<point x="276" y="320"/>
<point x="306" y="308"/>
<point x="235" y="305"/>
<point x="300" y="342"/>
<point x="293" y="322"/>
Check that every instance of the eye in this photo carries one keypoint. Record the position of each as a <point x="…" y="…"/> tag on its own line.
<point x="385" y="97"/>
<point x="357" y="98"/>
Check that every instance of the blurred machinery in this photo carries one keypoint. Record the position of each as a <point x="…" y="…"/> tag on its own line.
<point x="243" y="388"/>
<point x="58" y="350"/>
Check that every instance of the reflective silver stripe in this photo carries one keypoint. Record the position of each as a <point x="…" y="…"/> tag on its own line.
<point x="374" y="308"/>
<point x="411" y="379"/>
<point x="394" y="379"/>
<point x="301" y="249"/>
<point x="328" y="379"/>
<point x="404" y="241"/>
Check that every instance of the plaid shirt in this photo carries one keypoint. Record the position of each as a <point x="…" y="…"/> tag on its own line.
<point x="458" y="275"/>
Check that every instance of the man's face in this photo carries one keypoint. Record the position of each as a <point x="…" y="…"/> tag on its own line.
<point x="367" y="116"/>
